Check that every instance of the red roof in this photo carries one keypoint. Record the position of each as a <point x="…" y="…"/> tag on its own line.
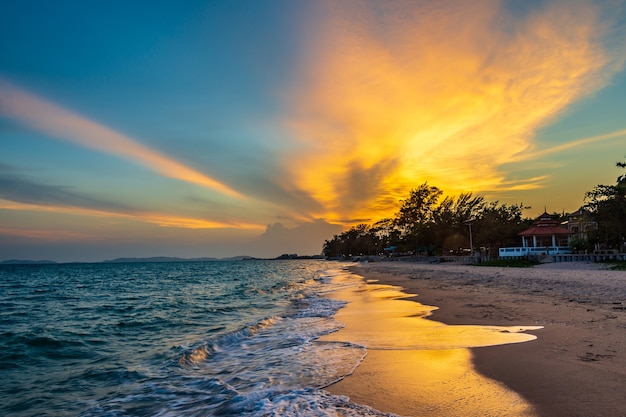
<point x="546" y="225"/>
<point x="545" y="231"/>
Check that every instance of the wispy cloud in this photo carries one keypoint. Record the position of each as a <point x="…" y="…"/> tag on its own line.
<point x="396" y="93"/>
<point x="19" y="193"/>
<point x="14" y="187"/>
<point x="52" y="236"/>
<point x="160" y="219"/>
<point x="267" y="194"/>
<point x="569" y="145"/>
<point x="63" y="124"/>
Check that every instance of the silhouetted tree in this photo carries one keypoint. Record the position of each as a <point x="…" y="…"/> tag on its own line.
<point x="386" y="234"/>
<point x="497" y="225"/>
<point x="415" y="217"/>
<point x="450" y="217"/>
<point x="608" y="204"/>
<point x="423" y="223"/>
<point x="356" y="241"/>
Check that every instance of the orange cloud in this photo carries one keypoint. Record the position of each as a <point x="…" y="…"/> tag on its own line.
<point x="63" y="124"/>
<point x="160" y="219"/>
<point x="194" y="223"/>
<point x="394" y="94"/>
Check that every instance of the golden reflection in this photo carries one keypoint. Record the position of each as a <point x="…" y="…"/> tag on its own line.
<point x="419" y="364"/>
<point x="427" y="383"/>
<point x="379" y="318"/>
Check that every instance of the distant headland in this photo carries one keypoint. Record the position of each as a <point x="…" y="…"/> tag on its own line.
<point x="163" y="259"/>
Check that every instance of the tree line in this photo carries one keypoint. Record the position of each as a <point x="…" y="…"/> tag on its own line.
<point x="607" y="205"/>
<point x="429" y="223"/>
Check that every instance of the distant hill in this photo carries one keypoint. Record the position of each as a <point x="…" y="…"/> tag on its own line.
<point x="176" y="259"/>
<point x="158" y="259"/>
<point x="26" y="262"/>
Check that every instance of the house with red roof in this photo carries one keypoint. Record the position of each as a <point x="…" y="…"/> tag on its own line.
<point x="546" y="237"/>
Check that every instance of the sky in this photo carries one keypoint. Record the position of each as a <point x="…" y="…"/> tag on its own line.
<point x="206" y="128"/>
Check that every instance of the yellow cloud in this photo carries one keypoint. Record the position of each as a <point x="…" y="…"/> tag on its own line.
<point x="65" y="125"/>
<point x="394" y="94"/>
<point x="164" y="220"/>
<point x="194" y="223"/>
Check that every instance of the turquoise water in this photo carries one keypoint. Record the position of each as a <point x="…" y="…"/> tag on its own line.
<point x="172" y="339"/>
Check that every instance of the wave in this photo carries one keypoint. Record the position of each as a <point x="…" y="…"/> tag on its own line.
<point x="223" y="342"/>
<point x="173" y="343"/>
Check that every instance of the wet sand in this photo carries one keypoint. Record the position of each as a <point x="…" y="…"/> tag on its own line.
<point x="576" y="366"/>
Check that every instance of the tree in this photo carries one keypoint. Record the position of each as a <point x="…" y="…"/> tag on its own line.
<point x="608" y="204"/>
<point x="451" y="216"/>
<point x="426" y="224"/>
<point x="417" y="210"/>
<point x="386" y="234"/>
<point x="497" y="225"/>
<point x="415" y="216"/>
<point x="356" y="241"/>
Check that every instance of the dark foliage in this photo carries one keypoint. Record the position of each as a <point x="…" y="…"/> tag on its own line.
<point x="428" y="224"/>
<point x="608" y="204"/>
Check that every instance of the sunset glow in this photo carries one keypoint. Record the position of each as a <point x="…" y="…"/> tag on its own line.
<point x="155" y="218"/>
<point x="404" y="93"/>
<point x="216" y="123"/>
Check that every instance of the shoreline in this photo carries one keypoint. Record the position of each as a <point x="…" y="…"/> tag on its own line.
<point x="576" y="366"/>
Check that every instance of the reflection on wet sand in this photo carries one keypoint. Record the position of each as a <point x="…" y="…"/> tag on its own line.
<point x="419" y="365"/>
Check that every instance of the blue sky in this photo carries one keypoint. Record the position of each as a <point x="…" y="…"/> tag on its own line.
<point x="259" y="128"/>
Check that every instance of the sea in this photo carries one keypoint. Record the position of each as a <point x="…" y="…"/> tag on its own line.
<point x="215" y="338"/>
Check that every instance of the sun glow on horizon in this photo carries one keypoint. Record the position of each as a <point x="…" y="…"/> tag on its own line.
<point x="160" y="219"/>
<point x="365" y="101"/>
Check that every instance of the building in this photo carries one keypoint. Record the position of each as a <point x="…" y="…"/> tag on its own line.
<point x="580" y="223"/>
<point x="546" y="237"/>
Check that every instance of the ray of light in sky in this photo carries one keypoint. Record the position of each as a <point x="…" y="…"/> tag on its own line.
<point x="189" y="129"/>
<point x="65" y="125"/>
<point x="573" y="144"/>
<point x="156" y="218"/>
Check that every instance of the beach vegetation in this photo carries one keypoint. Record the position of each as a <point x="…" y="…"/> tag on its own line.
<point x="617" y="266"/>
<point x="497" y="225"/>
<point x="416" y="218"/>
<point x="581" y="245"/>
<point x="429" y="223"/>
<point x="614" y="264"/>
<point x="356" y="241"/>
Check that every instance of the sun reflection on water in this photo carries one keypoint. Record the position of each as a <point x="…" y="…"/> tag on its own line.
<point x="416" y="365"/>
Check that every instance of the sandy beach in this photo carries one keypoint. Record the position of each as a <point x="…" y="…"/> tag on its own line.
<point x="575" y="367"/>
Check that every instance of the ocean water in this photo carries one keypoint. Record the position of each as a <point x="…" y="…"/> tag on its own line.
<point x="173" y="339"/>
